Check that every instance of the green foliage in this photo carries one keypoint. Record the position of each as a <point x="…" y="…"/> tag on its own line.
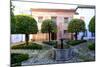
<point x="76" y="25"/>
<point x="92" y="25"/>
<point x="75" y="42"/>
<point x="13" y="20"/>
<point x="54" y="44"/>
<point x="18" y="58"/>
<point x="26" y="24"/>
<point x="86" y="58"/>
<point x="48" y="26"/>
<point x="50" y="43"/>
<point x="30" y="46"/>
<point x="91" y="46"/>
<point x="11" y="9"/>
<point x="13" y="24"/>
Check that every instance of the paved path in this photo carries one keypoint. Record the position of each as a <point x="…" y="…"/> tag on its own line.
<point x="17" y="43"/>
<point x="46" y="56"/>
<point x="83" y="52"/>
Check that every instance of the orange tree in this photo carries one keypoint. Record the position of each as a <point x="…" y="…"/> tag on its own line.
<point x="13" y="21"/>
<point x="48" y="26"/>
<point x="92" y="25"/>
<point x="76" y="26"/>
<point x="25" y="25"/>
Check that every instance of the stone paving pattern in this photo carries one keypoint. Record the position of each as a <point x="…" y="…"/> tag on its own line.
<point x="46" y="56"/>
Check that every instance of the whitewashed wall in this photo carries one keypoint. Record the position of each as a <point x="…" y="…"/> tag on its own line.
<point x="17" y="38"/>
<point x="87" y="14"/>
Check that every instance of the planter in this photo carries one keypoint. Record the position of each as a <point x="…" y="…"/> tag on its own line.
<point x="63" y="54"/>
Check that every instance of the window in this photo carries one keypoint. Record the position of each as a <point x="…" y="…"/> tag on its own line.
<point x="40" y="19"/>
<point x="65" y="19"/>
<point x="65" y="31"/>
<point x="53" y="19"/>
<point x="70" y="18"/>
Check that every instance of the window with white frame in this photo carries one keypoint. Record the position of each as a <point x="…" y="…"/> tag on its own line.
<point x="70" y="18"/>
<point x="65" y="19"/>
<point x="65" y="31"/>
<point x="40" y="19"/>
<point x="53" y="19"/>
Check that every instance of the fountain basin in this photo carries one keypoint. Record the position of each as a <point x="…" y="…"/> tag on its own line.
<point x="63" y="54"/>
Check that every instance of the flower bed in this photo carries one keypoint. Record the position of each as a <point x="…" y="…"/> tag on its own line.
<point x="30" y="46"/>
<point x="91" y="46"/>
<point x="55" y="44"/>
<point x="51" y="43"/>
<point x="75" y="42"/>
<point x="16" y="59"/>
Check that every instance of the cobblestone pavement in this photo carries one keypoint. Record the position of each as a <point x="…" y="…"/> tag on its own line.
<point x="45" y="56"/>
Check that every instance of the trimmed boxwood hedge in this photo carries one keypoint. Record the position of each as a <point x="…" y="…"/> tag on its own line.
<point x="52" y="43"/>
<point x="70" y="42"/>
<point x="91" y="46"/>
<point x="75" y="42"/>
<point x="30" y="46"/>
<point x="16" y="58"/>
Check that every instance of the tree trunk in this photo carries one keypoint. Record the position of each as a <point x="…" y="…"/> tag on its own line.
<point x="53" y="36"/>
<point x="71" y="36"/>
<point x="26" y="38"/>
<point x="76" y="35"/>
<point x="82" y="36"/>
<point x="49" y="36"/>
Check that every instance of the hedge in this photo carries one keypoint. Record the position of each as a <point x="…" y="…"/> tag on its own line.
<point x="51" y="43"/>
<point x="16" y="58"/>
<point x="54" y="44"/>
<point x="75" y="42"/>
<point x="30" y="46"/>
<point x="91" y="46"/>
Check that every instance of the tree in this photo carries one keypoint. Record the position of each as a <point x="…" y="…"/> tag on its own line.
<point x="76" y="26"/>
<point x="26" y="25"/>
<point x="13" y="21"/>
<point x="13" y="25"/>
<point x="48" y="26"/>
<point x="92" y="25"/>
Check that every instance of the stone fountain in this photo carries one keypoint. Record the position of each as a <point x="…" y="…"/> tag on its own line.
<point x="63" y="54"/>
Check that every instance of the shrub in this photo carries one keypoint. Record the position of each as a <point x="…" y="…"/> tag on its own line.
<point x="16" y="59"/>
<point x="91" y="46"/>
<point x="24" y="24"/>
<point x="75" y="42"/>
<point x="52" y="43"/>
<point x="92" y="25"/>
<point x="76" y="26"/>
<point x="48" y="26"/>
<point x="30" y="46"/>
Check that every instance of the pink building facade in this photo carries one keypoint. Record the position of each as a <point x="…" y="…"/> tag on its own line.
<point x="60" y="16"/>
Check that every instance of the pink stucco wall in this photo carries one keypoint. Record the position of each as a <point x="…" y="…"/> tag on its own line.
<point x="58" y="13"/>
